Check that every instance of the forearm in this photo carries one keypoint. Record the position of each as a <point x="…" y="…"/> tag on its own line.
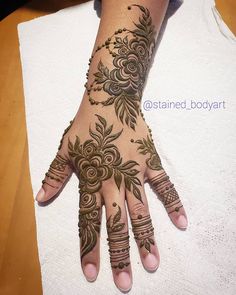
<point x="121" y="56"/>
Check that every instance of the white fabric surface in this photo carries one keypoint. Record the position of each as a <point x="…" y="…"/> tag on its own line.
<point x="196" y="59"/>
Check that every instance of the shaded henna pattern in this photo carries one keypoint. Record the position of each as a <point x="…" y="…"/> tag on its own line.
<point x="58" y="166"/>
<point x="118" y="241"/>
<point x="146" y="146"/>
<point x="131" y="51"/>
<point x="96" y="160"/>
<point x="167" y="192"/>
<point x="143" y="231"/>
<point x="89" y="222"/>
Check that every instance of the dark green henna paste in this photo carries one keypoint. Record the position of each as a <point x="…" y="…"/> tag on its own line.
<point x="64" y="133"/>
<point x="146" y="146"/>
<point x="167" y="192"/>
<point x="89" y="222"/>
<point x="58" y="165"/>
<point x="56" y="170"/>
<point x="143" y="231"/>
<point x="131" y="51"/>
<point x="98" y="159"/>
<point x="118" y="241"/>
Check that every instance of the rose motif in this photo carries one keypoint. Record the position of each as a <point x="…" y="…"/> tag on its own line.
<point x="92" y="171"/>
<point x="123" y="50"/>
<point x="141" y="48"/>
<point x="111" y="156"/>
<point x="129" y="66"/>
<point x="112" y="88"/>
<point x="89" y="148"/>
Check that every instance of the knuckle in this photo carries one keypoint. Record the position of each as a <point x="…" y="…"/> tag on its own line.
<point x="139" y="209"/>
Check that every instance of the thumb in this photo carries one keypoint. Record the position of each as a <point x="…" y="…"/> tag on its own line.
<point x="55" y="179"/>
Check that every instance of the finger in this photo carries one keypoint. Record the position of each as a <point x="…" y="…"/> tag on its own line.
<point x="161" y="184"/>
<point x="90" y="214"/>
<point x="55" y="179"/>
<point x="118" y="237"/>
<point x="143" y="230"/>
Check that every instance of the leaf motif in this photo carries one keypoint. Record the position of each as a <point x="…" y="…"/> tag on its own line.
<point x="102" y="120"/>
<point x="99" y="128"/>
<point x="118" y="40"/>
<point x="112" y="137"/>
<point x="151" y="241"/>
<point x="125" y="40"/>
<point x="98" y="75"/>
<point x="140" y="33"/>
<point x="117" y="216"/>
<point x="128" y="165"/>
<point x="95" y="136"/>
<point x="108" y="130"/>
<point x="141" y="244"/>
<point x="136" y="180"/>
<point x="127" y="183"/>
<point x="70" y="145"/>
<point x="109" y="223"/>
<point x="100" y="66"/>
<point x="139" y="141"/>
<point x="106" y="72"/>
<point x="118" y="178"/>
<point x="127" y="108"/>
<point x="118" y="227"/>
<point x="147" y="246"/>
<point x="109" y="101"/>
<point x="137" y="193"/>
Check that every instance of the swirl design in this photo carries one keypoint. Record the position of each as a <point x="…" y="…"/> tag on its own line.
<point x="95" y="161"/>
<point x="131" y="51"/>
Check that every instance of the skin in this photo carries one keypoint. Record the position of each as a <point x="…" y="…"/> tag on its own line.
<point x="110" y="147"/>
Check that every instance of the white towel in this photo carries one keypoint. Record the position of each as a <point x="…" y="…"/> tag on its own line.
<point x="196" y="60"/>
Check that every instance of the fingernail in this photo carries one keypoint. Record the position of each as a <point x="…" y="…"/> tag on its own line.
<point x="182" y="221"/>
<point x="123" y="281"/>
<point x="40" y="195"/>
<point x="90" y="272"/>
<point x="151" y="262"/>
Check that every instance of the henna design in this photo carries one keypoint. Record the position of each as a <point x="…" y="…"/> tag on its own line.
<point x="57" y="170"/>
<point x="131" y="51"/>
<point x="89" y="222"/>
<point x="143" y="231"/>
<point x="146" y="146"/>
<point x="64" y="133"/>
<point x="168" y="194"/>
<point x="118" y="241"/>
<point x="98" y="159"/>
<point x="58" y="166"/>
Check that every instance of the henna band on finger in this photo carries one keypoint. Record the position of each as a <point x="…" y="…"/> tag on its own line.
<point x="118" y="241"/>
<point x="119" y="249"/>
<point x="57" y="170"/>
<point x="166" y="190"/>
<point x="143" y="231"/>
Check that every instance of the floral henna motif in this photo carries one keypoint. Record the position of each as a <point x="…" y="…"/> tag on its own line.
<point x="143" y="231"/>
<point x="98" y="159"/>
<point x="118" y="241"/>
<point x="89" y="222"/>
<point x="131" y="51"/>
<point x="146" y="146"/>
<point x="169" y="196"/>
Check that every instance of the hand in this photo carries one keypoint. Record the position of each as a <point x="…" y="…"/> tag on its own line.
<point x="110" y="148"/>
<point x="112" y="163"/>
